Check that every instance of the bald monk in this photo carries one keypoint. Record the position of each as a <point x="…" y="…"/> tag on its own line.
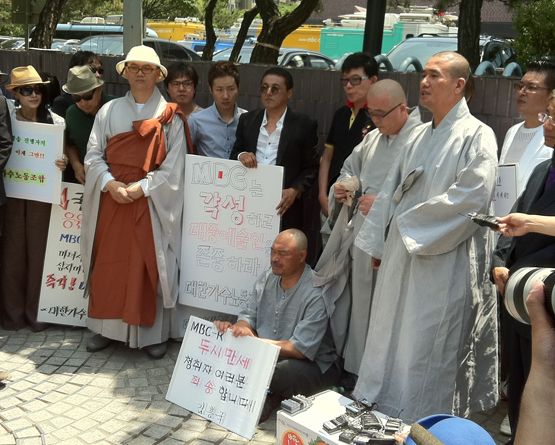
<point x="431" y="345"/>
<point x="345" y="268"/>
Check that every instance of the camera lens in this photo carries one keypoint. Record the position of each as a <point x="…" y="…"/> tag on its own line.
<point x="519" y="285"/>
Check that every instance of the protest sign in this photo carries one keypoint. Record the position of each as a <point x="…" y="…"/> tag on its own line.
<point x="229" y="224"/>
<point x="506" y="189"/>
<point x="222" y="378"/>
<point x="30" y="172"/>
<point x="62" y="291"/>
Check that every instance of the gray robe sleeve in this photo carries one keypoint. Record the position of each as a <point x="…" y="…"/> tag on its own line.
<point x="436" y="226"/>
<point x="372" y="234"/>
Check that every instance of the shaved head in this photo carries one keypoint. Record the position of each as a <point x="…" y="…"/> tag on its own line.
<point x="389" y="88"/>
<point x="458" y="66"/>
<point x="297" y="236"/>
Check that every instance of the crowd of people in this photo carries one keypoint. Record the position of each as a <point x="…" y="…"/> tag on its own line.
<point x="401" y="308"/>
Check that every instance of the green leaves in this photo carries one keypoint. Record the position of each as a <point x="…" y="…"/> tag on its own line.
<point x="535" y="23"/>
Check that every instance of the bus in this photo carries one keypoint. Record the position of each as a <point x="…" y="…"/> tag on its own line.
<point x="79" y="31"/>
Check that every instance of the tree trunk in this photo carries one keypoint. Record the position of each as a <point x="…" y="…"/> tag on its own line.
<point x="208" y="50"/>
<point x="469" y="31"/>
<point x="248" y="17"/>
<point x="48" y="19"/>
<point x="275" y="28"/>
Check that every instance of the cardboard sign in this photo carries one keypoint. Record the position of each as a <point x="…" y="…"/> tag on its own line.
<point x="222" y="378"/>
<point x="30" y="172"/>
<point x="506" y="189"/>
<point x="62" y="298"/>
<point x="229" y="225"/>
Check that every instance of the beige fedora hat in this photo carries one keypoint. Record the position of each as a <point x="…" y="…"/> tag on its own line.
<point x="80" y="79"/>
<point x="24" y="75"/>
<point x="142" y="54"/>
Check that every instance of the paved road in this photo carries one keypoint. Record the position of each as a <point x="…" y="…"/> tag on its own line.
<point x="59" y="393"/>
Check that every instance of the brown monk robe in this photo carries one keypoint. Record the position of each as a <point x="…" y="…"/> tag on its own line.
<point x="124" y="276"/>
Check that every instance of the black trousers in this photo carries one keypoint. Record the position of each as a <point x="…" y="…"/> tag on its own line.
<point x="516" y="338"/>
<point x="293" y="376"/>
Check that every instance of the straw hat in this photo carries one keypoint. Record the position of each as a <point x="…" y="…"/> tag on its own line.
<point x="81" y="79"/>
<point x="24" y="75"/>
<point x="142" y="54"/>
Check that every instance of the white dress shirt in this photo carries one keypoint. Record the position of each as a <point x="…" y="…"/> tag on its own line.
<point x="267" y="144"/>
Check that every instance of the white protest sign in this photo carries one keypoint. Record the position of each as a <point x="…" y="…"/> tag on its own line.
<point x="30" y="172"/>
<point x="222" y="378"/>
<point x="506" y="189"/>
<point x="229" y="225"/>
<point x="62" y="292"/>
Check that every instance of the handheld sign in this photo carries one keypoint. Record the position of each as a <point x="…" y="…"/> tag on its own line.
<point x="229" y="224"/>
<point x="506" y="189"/>
<point x="62" y="294"/>
<point x="222" y="378"/>
<point x="30" y="172"/>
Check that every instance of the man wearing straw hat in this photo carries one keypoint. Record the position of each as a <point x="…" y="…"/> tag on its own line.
<point x="134" y="199"/>
<point x="85" y="89"/>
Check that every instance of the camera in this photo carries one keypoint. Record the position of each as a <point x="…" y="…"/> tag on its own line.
<point x="518" y="286"/>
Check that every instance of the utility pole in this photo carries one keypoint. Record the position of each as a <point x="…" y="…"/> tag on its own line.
<point x="373" y="29"/>
<point x="132" y="24"/>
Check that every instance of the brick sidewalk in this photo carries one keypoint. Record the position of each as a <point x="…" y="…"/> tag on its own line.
<point x="59" y="393"/>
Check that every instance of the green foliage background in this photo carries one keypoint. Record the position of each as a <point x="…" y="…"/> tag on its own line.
<point x="535" y="24"/>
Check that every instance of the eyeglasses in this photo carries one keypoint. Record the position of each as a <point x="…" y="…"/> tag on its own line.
<point x="527" y="87"/>
<point x="79" y="97"/>
<point x="544" y="117"/>
<point x="273" y="89"/>
<point x="353" y="80"/>
<point x="28" y="91"/>
<point x="381" y="114"/>
<point x="187" y="84"/>
<point x="145" y="69"/>
<point x="96" y="70"/>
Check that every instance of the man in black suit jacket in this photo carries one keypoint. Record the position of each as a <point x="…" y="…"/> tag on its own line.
<point x="5" y="150"/>
<point x="276" y="135"/>
<point x="530" y="250"/>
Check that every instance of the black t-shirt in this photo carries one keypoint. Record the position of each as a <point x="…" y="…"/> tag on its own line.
<point x="344" y="139"/>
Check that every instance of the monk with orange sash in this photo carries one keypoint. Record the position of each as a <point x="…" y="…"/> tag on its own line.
<point x="132" y="209"/>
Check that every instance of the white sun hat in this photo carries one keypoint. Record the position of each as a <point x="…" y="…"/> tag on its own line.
<point x="142" y="54"/>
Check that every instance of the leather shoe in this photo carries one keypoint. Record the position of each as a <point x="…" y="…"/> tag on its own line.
<point x="37" y="326"/>
<point x="272" y="402"/>
<point x="156" y="351"/>
<point x="97" y="343"/>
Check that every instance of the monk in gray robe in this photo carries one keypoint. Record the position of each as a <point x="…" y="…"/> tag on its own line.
<point x="133" y="202"/>
<point x="344" y="269"/>
<point x="432" y="338"/>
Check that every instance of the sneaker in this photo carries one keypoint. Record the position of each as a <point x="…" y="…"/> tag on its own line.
<point x="97" y="343"/>
<point x="505" y="427"/>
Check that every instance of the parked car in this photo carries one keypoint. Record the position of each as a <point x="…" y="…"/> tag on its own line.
<point x="112" y="44"/>
<point x="17" y="43"/>
<point x="292" y="57"/>
<point x="13" y="43"/>
<point x="403" y="56"/>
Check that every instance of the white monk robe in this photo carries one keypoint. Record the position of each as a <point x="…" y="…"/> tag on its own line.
<point x="529" y="157"/>
<point x="343" y="269"/>
<point x="164" y="189"/>
<point x="432" y="339"/>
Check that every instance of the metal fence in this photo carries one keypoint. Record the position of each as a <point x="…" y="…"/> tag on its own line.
<point x="316" y="93"/>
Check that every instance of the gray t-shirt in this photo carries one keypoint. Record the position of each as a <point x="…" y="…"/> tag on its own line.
<point x="297" y="314"/>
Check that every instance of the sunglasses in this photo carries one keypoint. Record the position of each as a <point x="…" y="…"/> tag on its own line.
<point x="95" y="70"/>
<point x="28" y="91"/>
<point x="145" y="69"/>
<point x="272" y="89"/>
<point x="353" y="80"/>
<point x="79" y="97"/>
